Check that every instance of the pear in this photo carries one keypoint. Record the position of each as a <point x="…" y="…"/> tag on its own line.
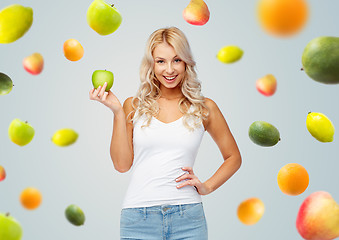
<point x="6" y="84"/>
<point x="320" y="59"/>
<point x="103" y="18"/>
<point x="196" y="13"/>
<point x="15" y="20"/>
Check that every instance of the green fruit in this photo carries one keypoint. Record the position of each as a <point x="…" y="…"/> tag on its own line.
<point x="229" y="54"/>
<point x="264" y="134"/>
<point x="15" y="20"/>
<point x="103" y="18"/>
<point x="320" y="127"/>
<point x="99" y="77"/>
<point x="64" y="137"/>
<point x="75" y="215"/>
<point x="6" y="84"/>
<point x="21" y="133"/>
<point x="10" y="229"/>
<point x="320" y="59"/>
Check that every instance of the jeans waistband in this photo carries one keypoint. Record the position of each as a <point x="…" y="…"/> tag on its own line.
<point x="165" y="209"/>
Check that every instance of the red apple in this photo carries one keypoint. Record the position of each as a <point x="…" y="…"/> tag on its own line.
<point x="267" y="85"/>
<point x="2" y="173"/>
<point x="34" y="63"/>
<point x="318" y="217"/>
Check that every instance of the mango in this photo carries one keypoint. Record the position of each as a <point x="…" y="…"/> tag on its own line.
<point x="320" y="59"/>
<point x="15" y="20"/>
<point x="264" y="134"/>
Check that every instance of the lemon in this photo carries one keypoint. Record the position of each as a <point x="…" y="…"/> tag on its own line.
<point x="229" y="54"/>
<point x="64" y="137"/>
<point x="320" y="127"/>
<point x="15" y="20"/>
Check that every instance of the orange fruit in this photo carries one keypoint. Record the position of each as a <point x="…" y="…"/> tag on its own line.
<point x="250" y="211"/>
<point x="293" y="179"/>
<point x="73" y="50"/>
<point x="282" y="17"/>
<point x="30" y="198"/>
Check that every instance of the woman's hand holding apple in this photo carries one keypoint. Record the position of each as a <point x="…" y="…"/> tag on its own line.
<point x="106" y="98"/>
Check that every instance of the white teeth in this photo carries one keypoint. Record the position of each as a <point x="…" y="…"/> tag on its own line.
<point x="169" y="78"/>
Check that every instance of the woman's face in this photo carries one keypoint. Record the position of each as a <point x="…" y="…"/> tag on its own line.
<point x="168" y="67"/>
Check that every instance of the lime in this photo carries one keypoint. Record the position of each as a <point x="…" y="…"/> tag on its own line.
<point x="229" y="54"/>
<point x="264" y="134"/>
<point x="320" y="127"/>
<point x="64" y="137"/>
<point x="75" y="215"/>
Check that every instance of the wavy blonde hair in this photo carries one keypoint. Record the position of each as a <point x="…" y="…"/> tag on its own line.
<point x="149" y="91"/>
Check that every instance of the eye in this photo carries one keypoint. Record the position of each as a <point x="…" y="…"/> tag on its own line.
<point x="177" y="60"/>
<point x="160" y="61"/>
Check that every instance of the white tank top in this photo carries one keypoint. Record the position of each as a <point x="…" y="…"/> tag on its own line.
<point x="160" y="151"/>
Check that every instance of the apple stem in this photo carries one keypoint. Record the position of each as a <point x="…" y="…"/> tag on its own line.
<point x="302" y="69"/>
<point x="7" y="214"/>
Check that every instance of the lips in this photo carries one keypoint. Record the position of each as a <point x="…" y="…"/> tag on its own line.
<point x="170" y="78"/>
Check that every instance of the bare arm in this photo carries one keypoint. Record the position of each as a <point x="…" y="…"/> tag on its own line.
<point x="121" y="144"/>
<point x="217" y="127"/>
<point x="121" y="148"/>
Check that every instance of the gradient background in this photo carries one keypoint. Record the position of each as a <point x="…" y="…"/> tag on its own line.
<point x="83" y="174"/>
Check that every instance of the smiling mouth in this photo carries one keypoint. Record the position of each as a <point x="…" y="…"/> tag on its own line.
<point x="170" y="78"/>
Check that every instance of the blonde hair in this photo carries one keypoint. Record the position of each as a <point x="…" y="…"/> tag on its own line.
<point x="149" y="92"/>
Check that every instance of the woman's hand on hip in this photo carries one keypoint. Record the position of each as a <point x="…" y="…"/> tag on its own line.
<point x="106" y="98"/>
<point x="192" y="180"/>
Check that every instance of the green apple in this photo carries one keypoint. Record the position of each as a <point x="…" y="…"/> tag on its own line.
<point x="6" y="84"/>
<point x="99" y="77"/>
<point x="21" y="133"/>
<point x="103" y="18"/>
<point x="10" y="229"/>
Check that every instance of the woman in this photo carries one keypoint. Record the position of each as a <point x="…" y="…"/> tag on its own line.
<point x="157" y="133"/>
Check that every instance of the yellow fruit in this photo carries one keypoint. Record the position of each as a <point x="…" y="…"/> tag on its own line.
<point x="250" y="211"/>
<point x="30" y="198"/>
<point x="293" y="179"/>
<point x="320" y="127"/>
<point x="229" y="54"/>
<point x="64" y="137"/>
<point x="15" y="20"/>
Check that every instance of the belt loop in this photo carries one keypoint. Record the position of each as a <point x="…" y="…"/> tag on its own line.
<point x="145" y="213"/>
<point x="181" y="211"/>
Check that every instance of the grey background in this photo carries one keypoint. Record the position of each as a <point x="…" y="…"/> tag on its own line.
<point x="83" y="173"/>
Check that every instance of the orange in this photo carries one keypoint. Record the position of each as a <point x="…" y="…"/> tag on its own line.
<point x="73" y="50"/>
<point x="293" y="179"/>
<point x="283" y="17"/>
<point x="250" y="211"/>
<point x="30" y="198"/>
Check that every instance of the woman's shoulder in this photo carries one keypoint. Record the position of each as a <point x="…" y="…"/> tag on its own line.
<point x="129" y="106"/>
<point x="210" y="104"/>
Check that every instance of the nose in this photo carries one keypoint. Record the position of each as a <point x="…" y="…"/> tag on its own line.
<point x="169" y="68"/>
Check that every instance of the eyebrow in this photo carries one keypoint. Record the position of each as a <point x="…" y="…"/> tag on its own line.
<point x="164" y="58"/>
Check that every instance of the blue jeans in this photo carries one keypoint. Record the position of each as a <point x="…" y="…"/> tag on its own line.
<point x="166" y="222"/>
